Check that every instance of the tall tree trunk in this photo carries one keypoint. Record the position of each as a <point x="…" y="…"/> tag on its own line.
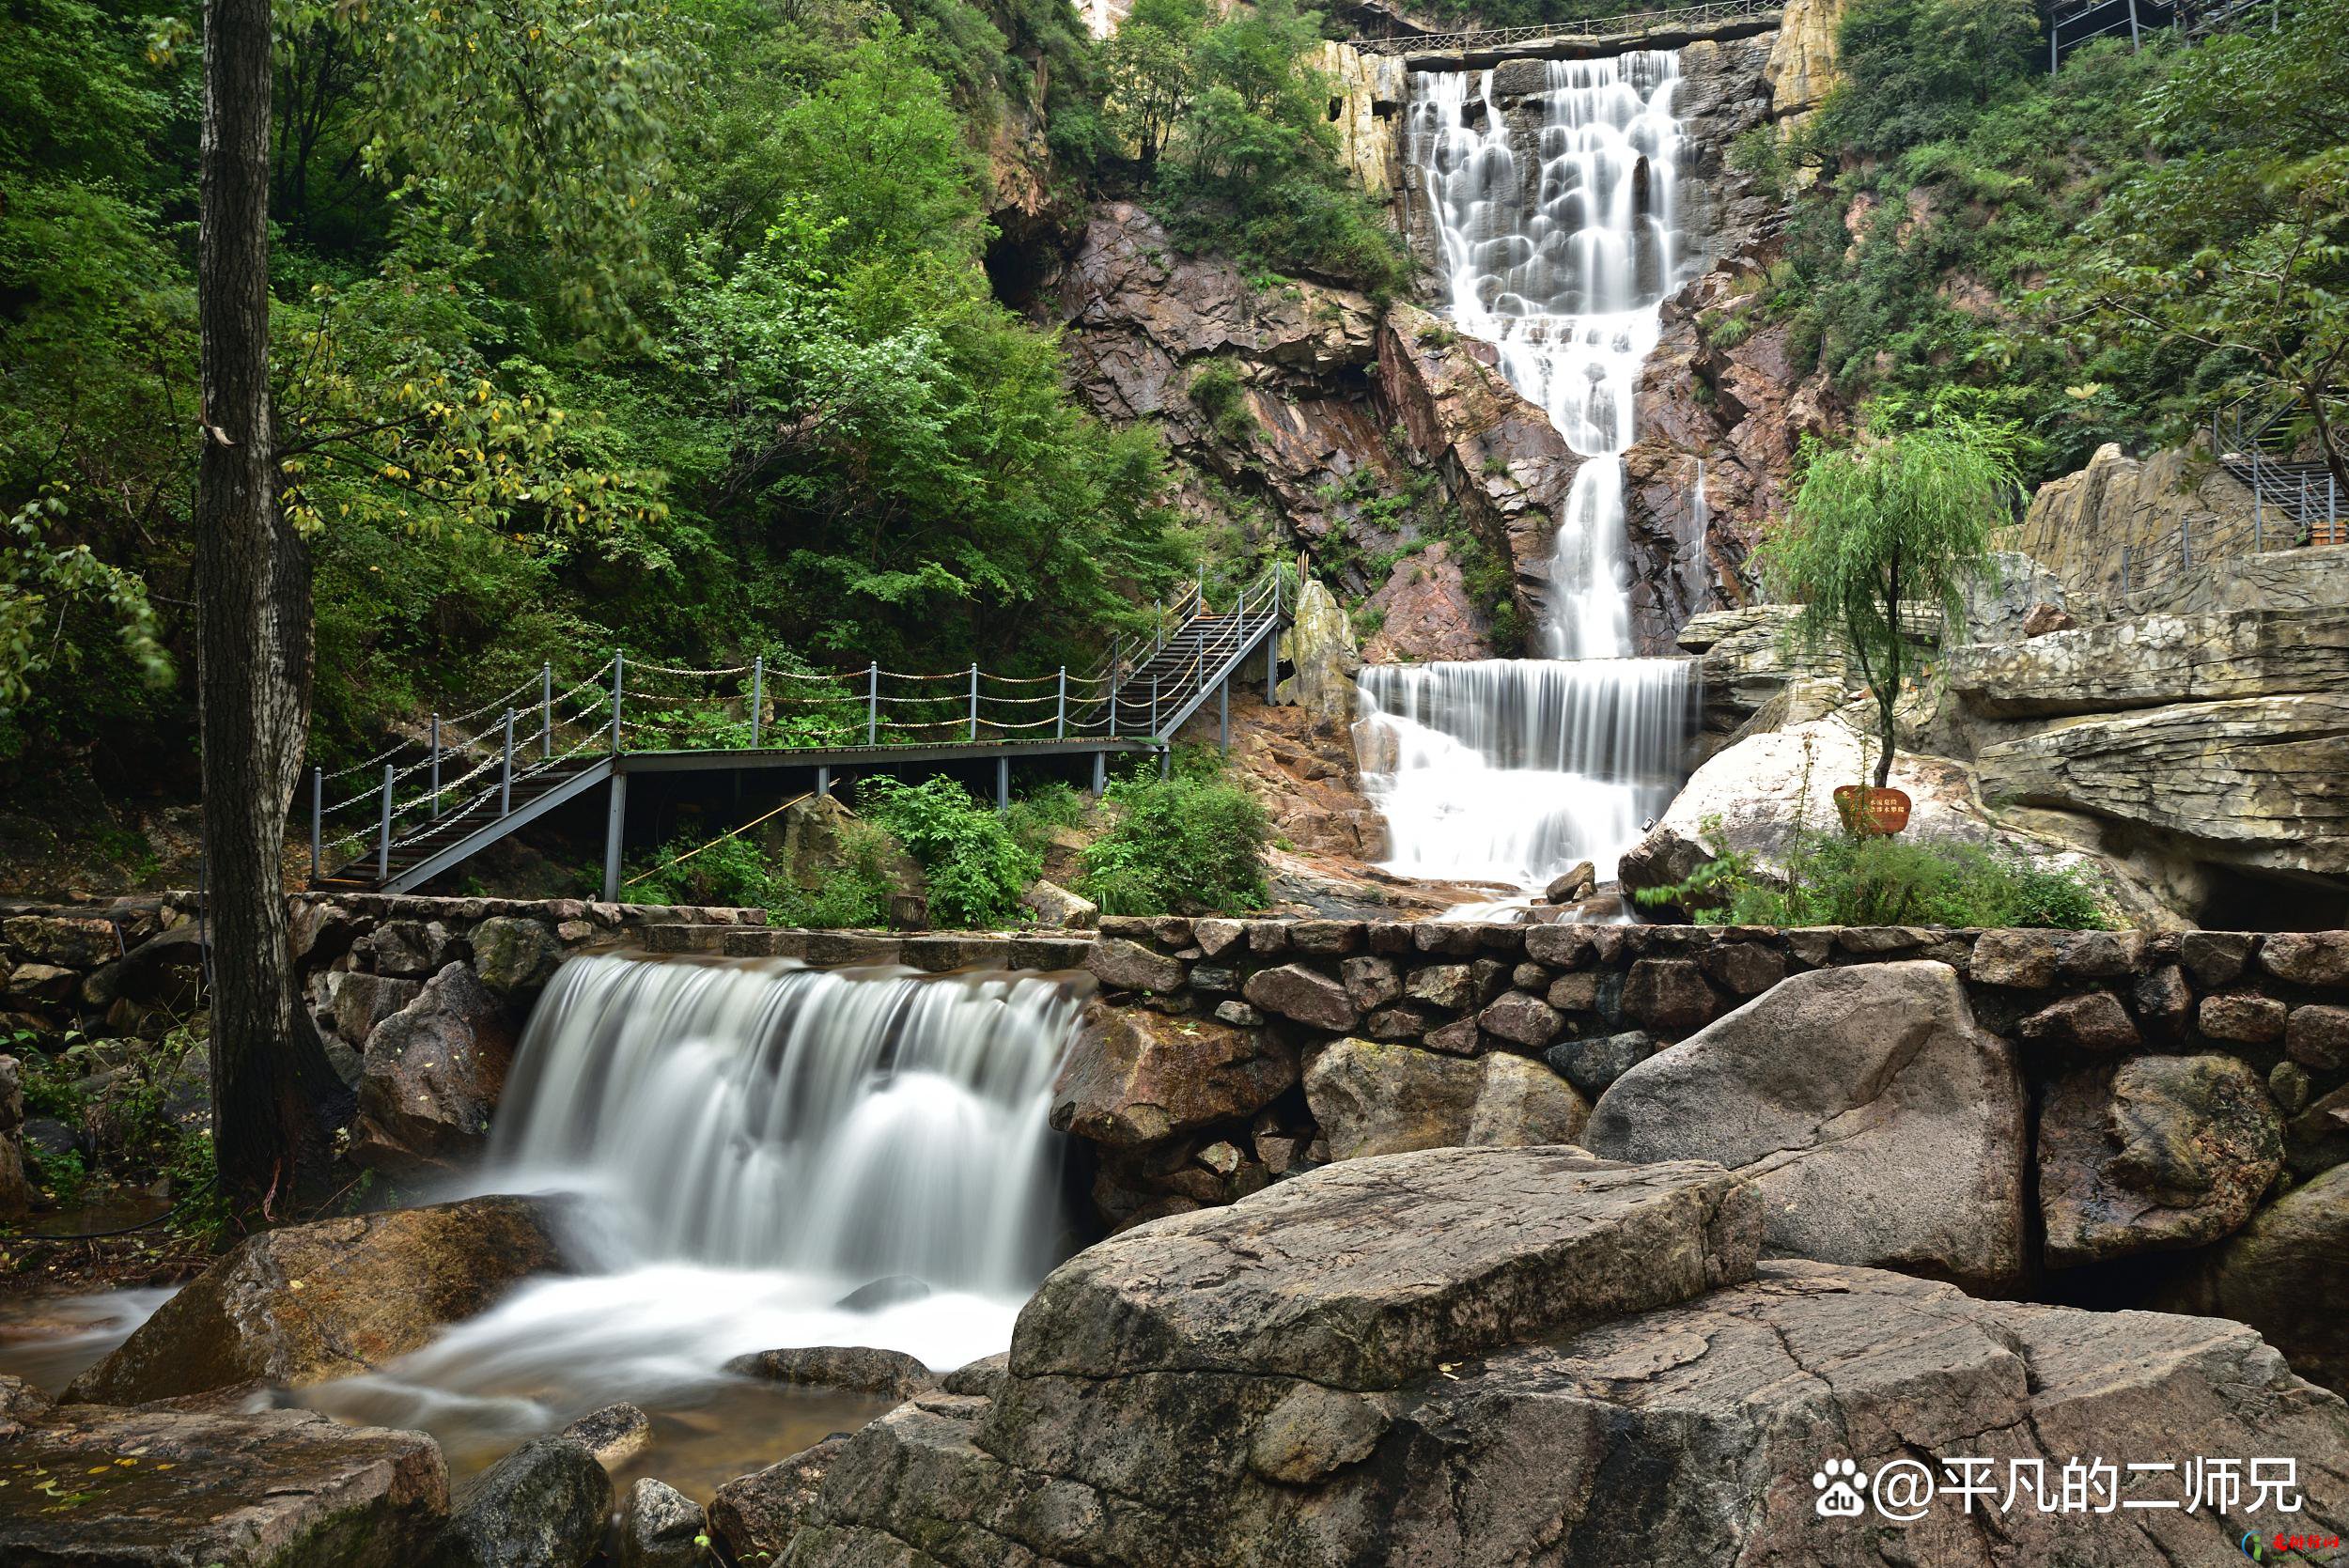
<point x="252" y="593"/>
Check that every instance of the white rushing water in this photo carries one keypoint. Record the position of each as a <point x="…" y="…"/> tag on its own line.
<point x="767" y="1156"/>
<point x="1560" y="252"/>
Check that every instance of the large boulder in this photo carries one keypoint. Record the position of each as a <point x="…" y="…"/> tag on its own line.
<point x="1134" y="1077"/>
<point x="1384" y="1097"/>
<point x="1882" y="1127"/>
<point x="2154" y="1153"/>
<point x="96" y="1486"/>
<point x="431" y="1077"/>
<point x="2281" y="1275"/>
<point x="754" y="1516"/>
<point x="543" y="1506"/>
<point x="1526" y="1357"/>
<point x="1320" y="645"/>
<point x="660" y="1527"/>
<point x="2147" y="660"/>
<point x="515" y="957"/>
<point x="16" y="1191"/>
<point x="855" y="1368"/>
<point x="306" y="1303"/>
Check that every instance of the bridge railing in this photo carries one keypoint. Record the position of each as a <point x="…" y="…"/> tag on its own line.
<point x="474" y="765"/>
<point x="1626" y="26"/>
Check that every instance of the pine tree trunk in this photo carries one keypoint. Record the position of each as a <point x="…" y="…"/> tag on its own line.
<point x="252" y="591"/>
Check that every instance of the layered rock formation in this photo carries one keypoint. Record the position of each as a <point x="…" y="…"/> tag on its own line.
<point x="1488" y="1356"/>
<point x="2128" y="512"/>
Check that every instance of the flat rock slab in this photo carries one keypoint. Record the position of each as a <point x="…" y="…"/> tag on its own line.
<point x="1368" y="1273"/>
<point x="97" y="1487"/>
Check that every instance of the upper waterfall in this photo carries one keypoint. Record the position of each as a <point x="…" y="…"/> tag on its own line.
<point x="1559" y="253"/>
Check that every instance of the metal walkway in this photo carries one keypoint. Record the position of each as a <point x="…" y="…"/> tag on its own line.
<point x="424" y="806"/>
<point x="1630" y="28"/>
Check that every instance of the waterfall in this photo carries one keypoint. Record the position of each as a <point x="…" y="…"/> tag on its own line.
<point x="760" y="1155"/>
<point x="1511" y="769"/>
<point x="1559" y="250"/>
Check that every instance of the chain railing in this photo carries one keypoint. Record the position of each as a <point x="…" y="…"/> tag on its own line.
<point x="1626" y="26"/>
<point x="470" y="770"/>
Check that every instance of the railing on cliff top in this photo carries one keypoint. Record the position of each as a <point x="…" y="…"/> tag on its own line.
<point x="1629" y="24"/>
<point x="486" y="763"/>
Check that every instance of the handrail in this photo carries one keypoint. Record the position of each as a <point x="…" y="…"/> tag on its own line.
<point x="443" y="786"/>
<point x="1624" y="25"/>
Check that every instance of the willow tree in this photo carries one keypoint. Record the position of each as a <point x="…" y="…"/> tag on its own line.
<point x="1892" y="521"/>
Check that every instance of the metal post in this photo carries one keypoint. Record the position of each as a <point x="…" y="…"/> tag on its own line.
<point x="2134" y="42"/>
<point x="975" y="702"/>
<point x="1166" y="762"/>
<point x="1154" y="705"/>
<point x="546" y="708"/>
<point x="317" y="814"/>
<point x="871" y="705"/>
<point x="1157" y="626"/>
<point x="383" y="839"/>
<point x="505" y="775"/>
<point x="759" y="695"/>
<point x="1223" y="714"/>
<point x="1002" y="785"/>
<point x="614" y="819"/>
<point x="436" y="766"/>
<point x="1060" y="713"/>
<point x="823" y="781"/>
<point x="1112" y="707"/>
<point x="618" y="660"/>
<point x="1100" y="773"/>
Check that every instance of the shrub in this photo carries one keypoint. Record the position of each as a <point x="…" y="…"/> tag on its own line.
<point x="975" y="869"/>
<point x="1886" y="880"/>
<point x="733" y="870"/>
<point x="1035" y="815"/>
<point x="1192" y="843"/>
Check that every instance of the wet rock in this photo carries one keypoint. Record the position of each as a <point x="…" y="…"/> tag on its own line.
<point x="852" y="1369"/>
<point x="306" y="1303"/>
<point x="409" y="948"/>
<point x="2093" y="1020"/>
<point x="1669" y="995"/>
<point x="16" y="1192"/>
<point x="1521" y="1019"/>
<point x="1129" y="965"/>
<point x="1880" y="1125"/>
<point x="1427" y="612"/>
<point x="2318" y="1036"/>
<point x="657" y="1526"/>
<point x="2281" y="1275"/>
<point x="2156" y="1152"/>
<point x="160" y="1488"/>
<point x="362" y="1000"/>
<point x="1372" y="1097"/>
<point x="1594" y="1065"/>
<point x="753" y="1518"/>
<point x="65" y="941"/>
<point x="887" y="1290"/>
<point x="2243" y="1017"/>
<point x="542" y="1506"/>
<point x="2308" y="957"/>
<point x="1320" y="646"/>
<point x="614" y="1434"/>
<point x="515" y="957"/>
<point x="1055" y="905"/>
<point x="2318" y="1138"/>
<point x="2217" y="957"/>
<point x="1571" y="886"/>
<point x="432" y="1076"/>
<point x="1306" y="995"/>
<point x="1134" y="1077"/>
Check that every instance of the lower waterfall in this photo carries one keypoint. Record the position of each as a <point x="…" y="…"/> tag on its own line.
<point x="759" y="1156"/>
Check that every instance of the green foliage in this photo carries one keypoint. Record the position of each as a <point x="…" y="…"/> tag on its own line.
<point x="974" y="869"/>
<point x="1899" y="519"/>
<point x="1189" y="843"/>
<point x="1885" y="880"/>
<point x="1214" y="388"/>
<point x="2229" y="248"/>
<point x="1229" y="127"/>
<point x="733" y="870"/>
<point x="1919" y="69"/>
<point x="1036" y="815"/>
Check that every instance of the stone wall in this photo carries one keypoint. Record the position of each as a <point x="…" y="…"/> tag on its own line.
<point x="1224" y="1054"/>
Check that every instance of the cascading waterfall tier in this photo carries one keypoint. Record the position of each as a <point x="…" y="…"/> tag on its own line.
<point x="1558" y="247"/>
<point x="1511" y="769"/>
<point x="759" y="1156"/>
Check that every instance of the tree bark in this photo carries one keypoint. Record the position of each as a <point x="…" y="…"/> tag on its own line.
<point x="252" y="593"/>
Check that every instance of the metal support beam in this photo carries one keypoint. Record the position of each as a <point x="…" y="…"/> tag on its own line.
<point x="505" y="768"/>
<point x="436" y="765"/>
<point x="759" y="695"/>
<point x="1224" y="715"/>
<point x="317" y="814"/>
<point x="1002" y="785"/>
<point x="383" y="840"/>
<point x="872" y="704"/>
<point x="546" y="708"/>
<point x="1100" y="773"/>
<point x="615" y="820"/>
<point x="619" y="660"/>
<point x="823" y="782"/>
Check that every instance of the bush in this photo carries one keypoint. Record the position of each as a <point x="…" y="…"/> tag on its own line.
<point x="1192" y="843"/>
<point x="1035" y="815"/>
<point x="733" y="870"/>
<point x="975" y="869"/>
<point x="1875" y="880"/>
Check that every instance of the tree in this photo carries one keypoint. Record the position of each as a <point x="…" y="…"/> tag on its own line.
<point x="1148" y="68"/>
<point x="270" y="1077"/>
<point x="2233" y="241"/>
<point x="1897" y="519"/>
<point x="1914" y="70"/>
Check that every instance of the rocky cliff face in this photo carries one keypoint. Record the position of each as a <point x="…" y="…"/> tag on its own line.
<point x="2148" y="519"/>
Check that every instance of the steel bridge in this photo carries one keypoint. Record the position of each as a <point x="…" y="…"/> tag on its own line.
<point x="426" y="804"/>
<point x="1629" y="26"/>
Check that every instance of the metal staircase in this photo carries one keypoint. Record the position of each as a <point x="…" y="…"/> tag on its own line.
<point x="2295" y="501"/>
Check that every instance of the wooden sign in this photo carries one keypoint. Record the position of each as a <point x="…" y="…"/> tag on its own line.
<point x="1867" y="811"/>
